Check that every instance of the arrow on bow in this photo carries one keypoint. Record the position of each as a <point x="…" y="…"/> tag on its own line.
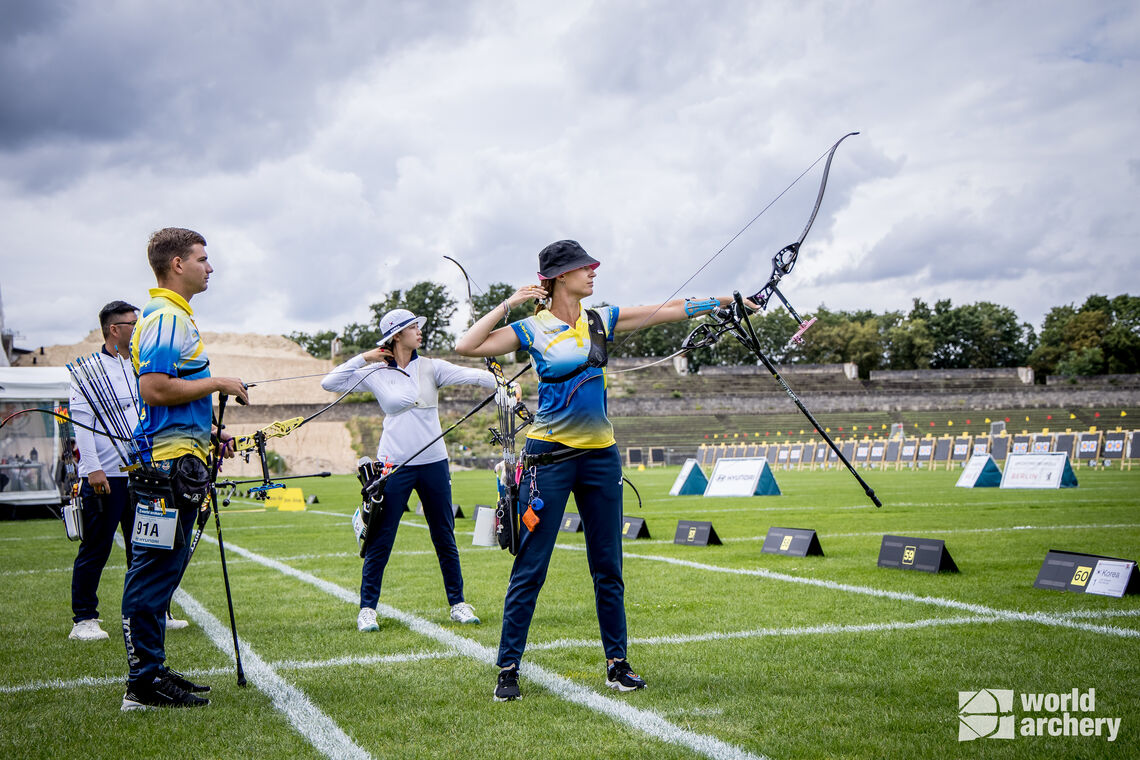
<point x="248" y="445"/>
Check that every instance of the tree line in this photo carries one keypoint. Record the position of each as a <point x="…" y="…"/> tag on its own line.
<point x="1101" y="336"/>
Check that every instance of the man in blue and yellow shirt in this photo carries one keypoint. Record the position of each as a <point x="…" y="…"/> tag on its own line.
<point x="173" y="437"/>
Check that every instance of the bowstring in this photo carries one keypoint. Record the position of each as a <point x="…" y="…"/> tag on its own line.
<point x="506" y="418"/>
<point x="721" y="250"/>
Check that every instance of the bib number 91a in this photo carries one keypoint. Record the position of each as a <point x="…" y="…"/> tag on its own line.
<point x="154" y="525"/>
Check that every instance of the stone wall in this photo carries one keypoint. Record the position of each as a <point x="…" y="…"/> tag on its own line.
<point x="859" y="400"/>
<point x="876" y="400"/>
<point x="1022" y="375"/>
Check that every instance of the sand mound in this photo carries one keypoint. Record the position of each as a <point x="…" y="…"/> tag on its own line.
<point x="315" y="447"/>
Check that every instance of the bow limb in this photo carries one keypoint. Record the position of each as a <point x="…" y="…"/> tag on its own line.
<point x="63" y="418"/>
<point x="785" y="258"/>
<point x="470" y="295"/>
<point x="782" y="263"/>
<point x="822" y="186"/>
<point x="513" y="416"/>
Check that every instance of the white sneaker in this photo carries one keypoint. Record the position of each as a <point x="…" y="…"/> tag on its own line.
<point x="173" y="623"/>
<point x="462" y="613"/>
<point x="88" y="630"/>
<point x="366" y="620"/>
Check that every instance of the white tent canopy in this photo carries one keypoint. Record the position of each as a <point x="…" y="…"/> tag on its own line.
<point x="34" y="383"/>
<point x="32" y="446"/>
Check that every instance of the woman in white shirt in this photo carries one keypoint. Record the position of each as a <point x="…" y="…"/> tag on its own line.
<point x="409" y="401"/>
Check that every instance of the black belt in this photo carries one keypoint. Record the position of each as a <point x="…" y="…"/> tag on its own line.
<point x="552" y="457"/>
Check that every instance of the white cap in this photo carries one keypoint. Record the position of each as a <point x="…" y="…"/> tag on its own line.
<point x="395" y="321"/>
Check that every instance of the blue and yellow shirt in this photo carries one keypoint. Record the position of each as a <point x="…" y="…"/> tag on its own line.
<point x="572" y="412"/>
<point x="166" y="340"/>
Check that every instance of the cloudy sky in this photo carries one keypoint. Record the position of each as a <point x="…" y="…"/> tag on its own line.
<point x="331" y="152"/>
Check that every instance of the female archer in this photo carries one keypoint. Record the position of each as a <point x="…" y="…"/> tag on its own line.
<point x="570" y="446"/>
<point x="409" y="401"/>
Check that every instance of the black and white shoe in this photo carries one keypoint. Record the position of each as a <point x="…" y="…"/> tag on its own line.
<point x="184" y="683"/>
<point x="507" y="689"/>
<point x="620" y="676"/>
<point x="163" y="692"/>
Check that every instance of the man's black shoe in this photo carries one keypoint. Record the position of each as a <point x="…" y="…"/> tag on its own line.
<point x="161" y="693"/>
<point x="184" y="683"/>
<point x="620" y="676"/>
<point x="507" y="689"/>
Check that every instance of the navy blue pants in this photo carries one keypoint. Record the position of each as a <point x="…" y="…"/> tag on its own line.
<point x="595" y="480"/>
<point x="433" y="484"/>
<point x="151" y="580"/>
<point x="102" y="514"/>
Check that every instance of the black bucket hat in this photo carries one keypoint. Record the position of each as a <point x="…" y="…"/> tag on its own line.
<point x="561" y="257"/>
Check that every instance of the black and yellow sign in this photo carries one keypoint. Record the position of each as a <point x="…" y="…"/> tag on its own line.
<point x="793" y="542"/>
<point x="906" y="553"/>
<point x="456" y="510"/>
<point x="571" y="523"/>
<point x="695" y="533"/>
<point x="1073" y="571"/>
<point x="633" y="528"/>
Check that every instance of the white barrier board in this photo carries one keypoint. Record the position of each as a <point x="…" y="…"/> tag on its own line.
<point x="690" y="481"/>
<point x="980" y="472"/>
<point x="750" y="476"/>
<point x="1038" y="471"/>
<point x="484" y="527"/>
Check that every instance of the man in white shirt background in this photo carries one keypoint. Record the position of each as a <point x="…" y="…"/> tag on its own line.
<point x="103" y="484"/>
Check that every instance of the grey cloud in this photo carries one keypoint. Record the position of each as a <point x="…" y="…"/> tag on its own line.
<point x="644" y="46"/>
<point x="356" y="143"/>
<point x="203" y="85"/>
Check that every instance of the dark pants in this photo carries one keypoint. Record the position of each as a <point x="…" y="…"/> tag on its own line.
<point x="102" y="514"/>
<point x="151" y="580"/>
<point x="433" y="484"/>
<point x="595" y="480"/>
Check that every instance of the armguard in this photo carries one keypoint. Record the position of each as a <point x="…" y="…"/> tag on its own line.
<point x="695" y="308"/>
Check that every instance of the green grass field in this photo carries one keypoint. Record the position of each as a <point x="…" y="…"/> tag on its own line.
<point x="746" y="654"/>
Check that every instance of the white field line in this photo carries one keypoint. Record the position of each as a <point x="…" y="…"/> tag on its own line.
<point x="331" y="555"/>
<point x="642" y="720"/>
<point x="916" y="532"/>
<point x="1097" y="613"/>
<point x="711" y="510"/>
<point x="349" y="517"/>
<point x="36" y="572"/>
<point x="372" y="659"/>
<point x="1070" y="499"/>
<point x="329" y="514"/>
<point x="901" y="596"/>
<point x="920" y="531"/>
<point x="769" y="632"/>
<point x="387" y="659"/>
<point x="85" y="681"/>
<point x="375" y="659"/>
<point x="228" y="528"/>
<point x="317" y="728"/>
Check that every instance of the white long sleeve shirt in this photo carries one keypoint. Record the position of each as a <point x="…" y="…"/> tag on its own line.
<point x="411" y="415"/>
<point x="97" y="452"/>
